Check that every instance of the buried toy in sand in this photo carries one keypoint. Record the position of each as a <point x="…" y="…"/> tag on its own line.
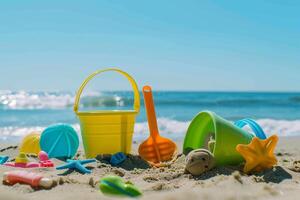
<point x="199" y="161"/>
<point x="3" y="159"/>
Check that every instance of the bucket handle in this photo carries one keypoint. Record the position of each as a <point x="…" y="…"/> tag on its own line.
<point x="136" y="103"/>
<point x="258" y="131"/>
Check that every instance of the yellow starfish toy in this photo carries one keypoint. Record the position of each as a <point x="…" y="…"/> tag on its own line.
<point x="259" y="154"/>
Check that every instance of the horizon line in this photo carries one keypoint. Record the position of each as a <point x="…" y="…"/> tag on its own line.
<point x="169" y="90"/>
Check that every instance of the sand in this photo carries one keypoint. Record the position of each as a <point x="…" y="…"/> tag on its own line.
<point x="282" y="182"/>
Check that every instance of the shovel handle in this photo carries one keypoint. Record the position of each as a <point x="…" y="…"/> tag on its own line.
<point x="150" y="109"/>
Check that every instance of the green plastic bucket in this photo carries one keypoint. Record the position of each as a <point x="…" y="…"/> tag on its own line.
<point x="207" y="126"/>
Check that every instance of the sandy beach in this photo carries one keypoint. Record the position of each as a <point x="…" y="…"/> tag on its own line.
<point x="282" y="182"/>
<point x="218" y="78"/>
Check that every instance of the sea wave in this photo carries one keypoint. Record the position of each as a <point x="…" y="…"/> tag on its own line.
<point x="171" y="128"/>
<point x="27" y="100"/>
<point x="60" y="100"/>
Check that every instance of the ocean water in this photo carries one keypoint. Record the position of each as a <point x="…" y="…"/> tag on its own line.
<point x="22" y="112"/>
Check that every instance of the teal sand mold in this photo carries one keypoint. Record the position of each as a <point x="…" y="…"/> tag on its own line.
<point x="59" y="141"/>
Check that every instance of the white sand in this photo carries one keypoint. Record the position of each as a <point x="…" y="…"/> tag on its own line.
<point x="171" y="183"/>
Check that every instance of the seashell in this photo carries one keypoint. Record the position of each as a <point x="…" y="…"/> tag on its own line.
<point x="199" y="161"/>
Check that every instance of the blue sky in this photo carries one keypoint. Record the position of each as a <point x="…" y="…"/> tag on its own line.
<point x="171" y="45"/>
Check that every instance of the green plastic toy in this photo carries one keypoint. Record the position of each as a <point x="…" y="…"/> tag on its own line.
<point x="209" y="131"/>
<point x="114" y="185"/>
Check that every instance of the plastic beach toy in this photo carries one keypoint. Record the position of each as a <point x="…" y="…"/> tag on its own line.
<point x="209" y="131"/>
<point x="44" y="160"/>
<point x="59" y="141"/>
<point x="107" y="132"/>
<point x="155" y="149"/>
<point x="259" y="154"/>
<point x="77" y="165"/>
<point x="22" y="161"/>
<point x="199" y="161"/>
<point x="31" y="143"/>
<point x="253" y="125"/>
<point x="3" y="159"/>
<point x="25" y="177"/>
<point x="117" y="158"/>
<point x="114" y="185"/>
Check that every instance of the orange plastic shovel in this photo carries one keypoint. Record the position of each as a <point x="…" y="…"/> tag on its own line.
<point x="155" y="149"/>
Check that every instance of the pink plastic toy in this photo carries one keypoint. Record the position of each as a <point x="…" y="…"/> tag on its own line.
<point x="44" y="160"/>
<point x="30" y="178"/>
<point x="22" y="165"/>
<point x="22" y="161"/>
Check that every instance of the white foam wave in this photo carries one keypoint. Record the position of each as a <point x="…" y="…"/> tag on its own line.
<point x="55" y="100"/>
<point x="17" y="132"/>
<point x="168" y="127"/>
<point x="280" y="127"/>
<point x="22" y="99"/>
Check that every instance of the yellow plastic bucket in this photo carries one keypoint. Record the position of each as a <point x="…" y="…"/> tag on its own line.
<point x="107" y="131"/>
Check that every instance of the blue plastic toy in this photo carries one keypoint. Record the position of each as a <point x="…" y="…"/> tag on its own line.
<point x="258" y="131"/>
<point x="3" y="159"/>
<point x="77" y="165"/>
<point x="117" y="158"/>
<point x="59" y="141"/>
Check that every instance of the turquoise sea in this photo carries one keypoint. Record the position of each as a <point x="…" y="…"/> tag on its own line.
<point x="22" y="112"/>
